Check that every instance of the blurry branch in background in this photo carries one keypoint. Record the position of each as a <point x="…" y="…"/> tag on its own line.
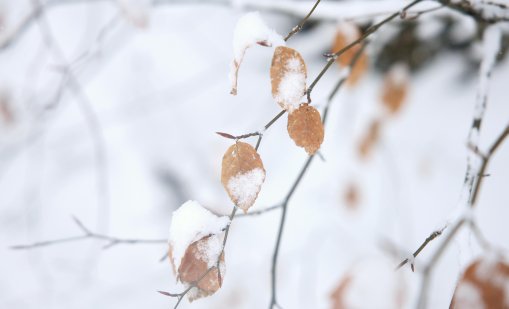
<point x="477" y="12"/>
<point x="475" y="173"/>
<point x="90" y="116"/>
<point x="89" y="234"/>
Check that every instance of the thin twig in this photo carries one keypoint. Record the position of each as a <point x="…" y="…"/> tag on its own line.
<point x="298" y="28"/>
<point x="88" y="234"/>
<point x="366" y="34"/>
<point x="284" y="206"/>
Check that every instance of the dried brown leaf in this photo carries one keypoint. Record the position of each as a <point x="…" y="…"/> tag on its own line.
<point x="242" y="174"/>
<point x="483" y="284"/>
<point x="345" y="35"/>
<point x="288" y="77"/>
<point x="195" y="265"/>
<point x="305" y="127"/>
<point x="370" y="139"/>
<point x="352" y="196"/>
<point x="395" y="88"/>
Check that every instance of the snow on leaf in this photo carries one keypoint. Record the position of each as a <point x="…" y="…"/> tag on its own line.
<point x="250" y="30"/>
<point x="395" y="87"/>
<point x="484" y="284"/>
<point x="288" y="78"/>
<point x="242" y="174"/>
<point x="190" y="223"/>
<point x="199" y="266"/>
<point x="305" y="127"/>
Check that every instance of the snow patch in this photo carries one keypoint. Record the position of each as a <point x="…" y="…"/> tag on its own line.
<point x="468" y="296"/>
<point x="292" y="86"/>
<point x="245" y="187"/>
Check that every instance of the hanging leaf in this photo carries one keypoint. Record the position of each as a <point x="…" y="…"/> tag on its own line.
<point x="305" y="127"/>
<point x="347" y="33"/>
<point x="288" y="78"/>
<point x="199" y="264"/>
<point x="195" y="246"/>
<point x="484" y="284"/>
<point x="370" y="139"/>
<point x="250" y="30"/>
<point x="395" y="87"/>
<point x="242" y="174"/>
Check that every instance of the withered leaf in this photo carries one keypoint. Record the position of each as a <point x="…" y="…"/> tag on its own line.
<point x="370" y="139"/>
<point x="395" y="87"/>
<point x="346" y="34"/>
<point x="200" y="268"/>
<point x="305" y="127"/>
<point x="288" y="77"/>
<point x="242" y="174"/>
<point x="483" y="285"/>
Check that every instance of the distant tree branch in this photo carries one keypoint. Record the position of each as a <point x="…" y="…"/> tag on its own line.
<point x="111" y="241"/>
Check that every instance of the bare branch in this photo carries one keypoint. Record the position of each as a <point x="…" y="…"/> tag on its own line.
<point x="298" y="28"/>
<point x="88" y="234"/>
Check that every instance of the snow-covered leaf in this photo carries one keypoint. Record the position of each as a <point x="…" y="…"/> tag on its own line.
<point x="484" y="284"/>
<point x="190" y="223"/>
<point x="250" y="30"/>
<point x="288" y="77"/>
<point x="242" y="174"/>
<point x="395" y="87"/>
<point x="199" y="264"/>
<point x="305" y="127"/>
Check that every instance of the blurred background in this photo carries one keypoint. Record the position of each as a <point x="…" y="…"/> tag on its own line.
<point x="108" y="113"/>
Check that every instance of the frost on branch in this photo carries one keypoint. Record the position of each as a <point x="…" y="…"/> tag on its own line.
<point x="348" y="32"/>
<point x="305" y="127"/>
<point x="250" y="30"/>
<point x="288" y="78"/>
<point x="242" y="174"/>
<point x="195" y="241"/>
<point x="485" y="284"/>
<point x="395" y="88"/>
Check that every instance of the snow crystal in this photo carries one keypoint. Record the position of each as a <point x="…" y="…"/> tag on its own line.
<point x="468" y="296"/>
<point x="245" y="187"/>
<point x="251" y="29"/>
<point x="292" y="86"/>
<point x="189" y="223"/>
<point x="210" y="250"/>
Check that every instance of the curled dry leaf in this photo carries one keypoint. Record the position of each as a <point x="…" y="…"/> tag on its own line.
<point x="370" y="139"/>
<point x="242" y="174"/>
<point x="305" y="127"/>
<point x="395" y="87"/>
<point x="288" y="77"/>
<point x="484" y="284"/>
<point x="348" y="32"/>
<point x="250" y="30"/>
